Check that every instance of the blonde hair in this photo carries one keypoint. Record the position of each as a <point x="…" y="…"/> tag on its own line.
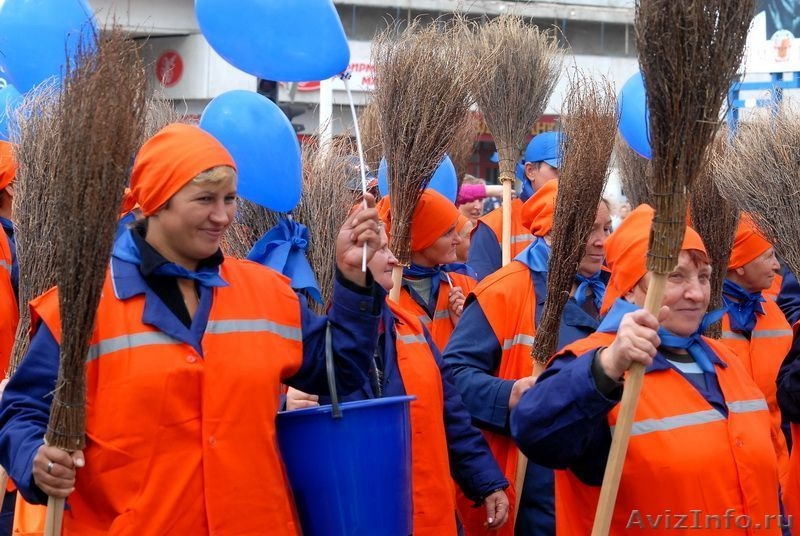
<point x="216" y="175"/>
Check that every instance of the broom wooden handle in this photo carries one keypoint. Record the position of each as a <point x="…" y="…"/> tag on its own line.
<point x="397" y="280"/>
<point x="54" y="516"/>
<point x="622" y="430"/>
<point x="506" y="239"/>
<point x="522" y="460"/>
<point x="3" y="479"/>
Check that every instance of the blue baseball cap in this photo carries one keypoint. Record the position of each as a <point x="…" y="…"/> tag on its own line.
<point x="545" y="148"/>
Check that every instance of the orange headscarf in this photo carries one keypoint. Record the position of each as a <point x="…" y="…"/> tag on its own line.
<point x="537" y="212"/>
<point x="169" y="160"/>
<point x="462" y="221"/>
<point x="626" y="252"/>
<point x="433" y="216"/>
<point x="8" y="164"/>
<point x="747" y="244"/>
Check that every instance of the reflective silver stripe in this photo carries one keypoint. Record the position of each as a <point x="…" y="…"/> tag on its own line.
<point x="768" y="333"/>
<point x="678" y="421"/>
<point x="748" y="406"/>
<point x="758" y="334"/>
<point x="221" y="327"/>
<point x="521" y="238"/>
<point x="520" y="338"/>
<point x="438" y="315"/>
<point x="125" y="342"/>
<point x="700" y="417"/>
<point x="408" y="339"/>
<point x="5" y="265"/>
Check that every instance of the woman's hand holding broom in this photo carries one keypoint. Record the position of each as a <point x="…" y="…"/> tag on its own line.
<point x="456" y="304"/>
<point x="54" y="470"/>
<point x="636" y="342"/>
<point x="496" y="509"/>
<point x="359" y="231"/>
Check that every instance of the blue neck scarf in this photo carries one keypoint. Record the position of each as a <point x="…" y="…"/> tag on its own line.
<point x="693" y="344"/>
<point x="743" y="309"/>
<point x="125" y="249"/>
<point x="536" y="256"/>
<point x="437" y="273"/>
<point x="595" y="283"/>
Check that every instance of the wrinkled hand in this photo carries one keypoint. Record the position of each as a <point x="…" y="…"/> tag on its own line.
<point x="636" y="342"/>
<point x="496" y="509"/>
<point x="59" y="480"/>
<point x="456" y="304"/>
<point x="520" y="386"/>
<point x="296" y="399"/>
<point x="360" y="228"/>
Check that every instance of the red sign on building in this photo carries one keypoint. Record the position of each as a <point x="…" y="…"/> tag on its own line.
<point x="169" y="68"/>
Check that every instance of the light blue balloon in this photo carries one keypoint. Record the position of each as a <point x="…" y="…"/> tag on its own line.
<point x="37" y="36"/>
<point x="286" y="40"/>
<point x="9" y="100"/>
<point x="263" y="144"/>
<point x="634" y="116"/>
<point x="444" y="179"/>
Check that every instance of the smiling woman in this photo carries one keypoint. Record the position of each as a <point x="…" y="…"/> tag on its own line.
<point x="188" y="354"/>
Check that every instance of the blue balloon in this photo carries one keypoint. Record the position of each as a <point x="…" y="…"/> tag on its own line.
<point x="634" y="117"/>
<point x="444" y="179"/>
<point x="37" y="36"/>
<point x="9" y="100"/>
<point x="263" y="144"/>
<point x="286" y="40"/>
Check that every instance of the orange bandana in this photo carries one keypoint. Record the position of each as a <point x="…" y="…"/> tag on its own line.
<point x="747" y="244"/>
<point x="433" y="216"/>
<point x="169" y="160"/>
<point x="8" y="164"/>
<point x="626" y="252"/>
<point x="537" y="212"/>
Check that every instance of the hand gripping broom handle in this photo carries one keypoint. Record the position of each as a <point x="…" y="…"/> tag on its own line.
<point x="507" y="179"/>
<point x="622" y="430"/>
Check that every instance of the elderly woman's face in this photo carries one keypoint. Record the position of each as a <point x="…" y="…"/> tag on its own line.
<point x="190" y="227"/>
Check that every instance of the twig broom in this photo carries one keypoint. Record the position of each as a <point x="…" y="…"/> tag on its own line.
<point x="95" y="151"/>
<point x="520" y="69"/>
<point x="422" y="100"/>
<point x="589" y="119"/>
<point x="633" y="172"/>
<point x="688" y="53"/>
<point x="759" y="174"/>
<point x="715" y="220"/>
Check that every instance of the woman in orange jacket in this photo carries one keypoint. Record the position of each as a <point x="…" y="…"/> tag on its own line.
<point x="186" y="362"/>
<point x="701" y="431"/>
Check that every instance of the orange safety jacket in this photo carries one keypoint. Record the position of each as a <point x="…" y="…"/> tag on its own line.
<point x="9" y="312"/>
<point x="775" y="288"/>
<point x="687" y="465"/>
<point x="179" y="442"/>
<point x="511" y="317"/>
<point x="762" y="356"/>
<point x="521" y="236"/>
<point x="440" y="326"/>
<point x="432" y="486"/>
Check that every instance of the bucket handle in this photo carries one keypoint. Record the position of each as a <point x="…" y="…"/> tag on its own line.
<point x="336" y="411"/>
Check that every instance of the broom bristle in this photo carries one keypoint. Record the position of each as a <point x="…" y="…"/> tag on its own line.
<point x="759" y="173"/>
<point x="463" y="145"/>
<point x="715" y="220"/>
<point x="95" y="150"/>
<point x="520" y="66"/>
<point x="689" y="53"/>
<point x="251" y="223"/>
<point x="325" y="204"/>
<point x="370" y="135"/>
<point x="589" y="119"/>
<point x="37" y="153"/>
<point x="633" y="171"/>
<point x="422" y="96"/>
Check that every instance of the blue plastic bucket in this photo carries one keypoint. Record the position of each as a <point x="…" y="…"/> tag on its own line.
<point x="350" y="476"/>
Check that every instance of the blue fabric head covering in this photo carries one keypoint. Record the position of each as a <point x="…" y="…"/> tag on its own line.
<point x="282" y="248"/>
<point x="125" y="249"/>
<point x="742" y="313"/>
<point x="694" y="344"/>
